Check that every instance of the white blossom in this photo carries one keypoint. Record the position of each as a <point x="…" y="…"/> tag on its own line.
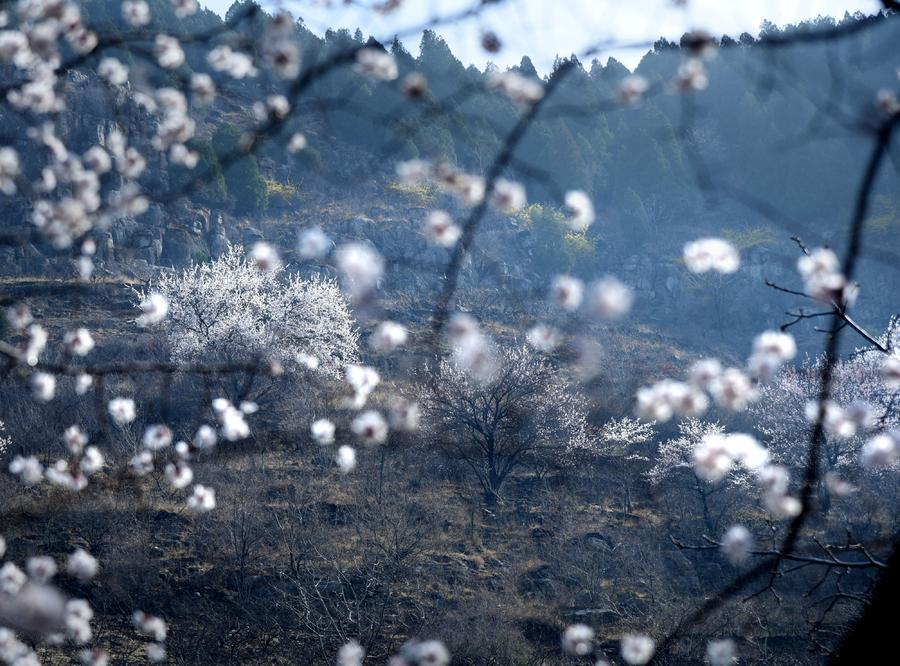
<point x="733" y="390"/>
<point x="93" y="657"/>
<point x="181" y="154"/>
<point x="307" y="361"/>
<point x="887" y="102"/>
<point x="179" y="475"/>
<point x="12" y="578"/>
<point x="113" y="71"/>
<point x="136" y="12"/>
<point x="350" y="654"/>
<point x="404" y="415"/>
<point x="662" y="400"/>
<point x="721" y="652"/>
<point x="19" y="316"/>
<point x="774" y="480"/>
<point x="233" y="424"/>
<point x="79" y="341"/>
<point x="37" y="342"/>
<point x="609" y="298"/>
<point x="473" y="351"/>
<point x="205" y="438"/>
<point x="737" y="544"/>
<point x="712" y="458"/>
<point x="578" y="640"/>
<point x="97" y="160"/>
<point x="151" y="625"/>
<point x="704" y="373"/>
<point x="567" y="292"/>
<point x="59" y="474"/>
<point x="821" y="272"/>
<point x="422" y="653"/>
<point x="637" y="649"/>
<point x="882" y="450"/>
<point x="542" y="337"/>
<point x="156" y="652"/>
<point x="83" y="383"/>
<point x="632" y="89"/>
<point x="9" y="170"/>
<point x="122" y="410"/>
<point x="692" y="75"/>
<point x="29" y="470"/>
<point x="313" y="244"/>
<point x="82" y="565"/>
<point x="41" y="568"/>
<point x="169" y="53"/>
<point x="370" y="427"/>
<point x="376" y="64"/>
<point x="202" y="499"/>
<point x="237" y="65"/>
<point x="75" y="439"/>
<point x="414" y="85"/>
<point x="297" y="143"/>
<point x="142" y="463"/>
<point x="388" y="336"/>
<point x="579" y="210"/>
<point x="837" y="486"/>
<point x="508" y="196"/>
<point x="711" y="254"/>
<point x="520" y="89"/>
<point x="203" y="88"/>
<point x="157" y="437"/>
<point x="362" y="379"/>
<point x="717" y="452"/>
<point x="43" y="386"/>
<point x="185" y="8"/>
<point x="265" y="257"/>
<point x="322" y="431"/>
<point x="360" y="267"/>
<point x="280" y="46"/>
<point x="346" y="459"/>
<point x="440" y="229"/>
<point x="783" y="506"/>
<point x="91" y="461"/>
<point x="154" y="308"/>
<point x="775" y="343"/>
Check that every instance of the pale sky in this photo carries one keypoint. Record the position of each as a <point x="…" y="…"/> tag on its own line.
<point x="544" y="29"/>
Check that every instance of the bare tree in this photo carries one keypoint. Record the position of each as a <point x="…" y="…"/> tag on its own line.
<point x="522" y="412"/>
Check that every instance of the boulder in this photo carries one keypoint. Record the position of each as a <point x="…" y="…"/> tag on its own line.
<point x="177" y="248"/>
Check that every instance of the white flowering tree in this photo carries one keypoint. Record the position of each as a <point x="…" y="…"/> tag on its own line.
<point x="674" y="464"/>
<point x="860" y="403"/>
<point x="234" y="309"/>
<point x="621" y="441"/>
<point x="522" y="412"/>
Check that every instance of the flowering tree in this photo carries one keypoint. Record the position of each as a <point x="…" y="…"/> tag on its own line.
<point x="620" y="440"/>
<point x="234" y="309"/>
<point x="522" y="411"/>
<point x="860" y="402"/>
<point x="674" y="463"/>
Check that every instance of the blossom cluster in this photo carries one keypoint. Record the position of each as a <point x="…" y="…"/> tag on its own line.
<point x="731" y="388"/>
<point x="30" y="603"/>
<point x="821" y="272"/>
<point x="716" y="454"/>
